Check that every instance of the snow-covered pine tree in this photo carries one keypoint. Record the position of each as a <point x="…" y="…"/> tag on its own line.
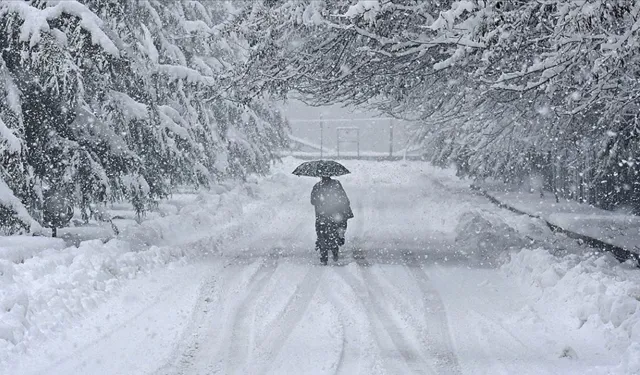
<point x="14" y="170"/>
<point x="120" y="100"/>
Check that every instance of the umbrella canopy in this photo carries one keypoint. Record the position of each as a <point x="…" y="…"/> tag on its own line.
<point x="321" y="168"/>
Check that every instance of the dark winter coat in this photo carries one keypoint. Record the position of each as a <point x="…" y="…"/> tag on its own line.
<point x="331" y="201"/>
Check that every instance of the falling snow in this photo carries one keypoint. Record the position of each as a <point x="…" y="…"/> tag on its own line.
<point x="482" y="214"/>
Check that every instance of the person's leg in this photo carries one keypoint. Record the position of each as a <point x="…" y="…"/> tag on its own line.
<point x="322" y="241"/>
<point x="336" y="253"/>
<point x="334" y="239"/>
<point x="342" y="229"/>
<point x="318" y="234"/>
<point x="324" y="255"/>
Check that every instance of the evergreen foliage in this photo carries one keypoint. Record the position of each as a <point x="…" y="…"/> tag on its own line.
<point x="111" y="100"/>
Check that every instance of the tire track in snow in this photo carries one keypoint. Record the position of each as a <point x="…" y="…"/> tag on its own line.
<point x="200" y="335"/>
<point x="352" y="283"/>
<point x="355" y="330"/>
<point x="438" y="338"/>
<point x="376" y="312"/>
<point x="239" y="336"/>
<point x="245" y="353"/>
<point x="184" y="352"/>
<point x="411" y="350"/>
<point x="435" y="333"/>
<point x="268" y="348"/>
<point x="343" y="345"/>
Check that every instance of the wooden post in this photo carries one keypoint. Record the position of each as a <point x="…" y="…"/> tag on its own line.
<point x="390" y="138"/>
<point x="321" y="137"/>
<point x="338" y="142"/>
<point x="358" y="141"/>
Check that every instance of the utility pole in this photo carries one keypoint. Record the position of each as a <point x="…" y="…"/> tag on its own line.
<point x="358" y="141"/>
<point x="390" y="138"/>
<point x="321" y="137"/>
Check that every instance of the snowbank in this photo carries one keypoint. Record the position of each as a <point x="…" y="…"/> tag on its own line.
<point x="16" y="249"/>
<point x="45" y="287"/>
<point x="47" y="291"/>
<point x="594" y="295"/>
<point x="589" y="295"/>
<point x="485" y="237"/>
<point x="223" y="213"/>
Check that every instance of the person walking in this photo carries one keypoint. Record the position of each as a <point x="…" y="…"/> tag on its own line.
<point x="331" y="203"/>
<point x="333" y="209"/>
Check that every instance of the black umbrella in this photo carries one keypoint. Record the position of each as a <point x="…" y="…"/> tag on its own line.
<point x="321" y="168"/>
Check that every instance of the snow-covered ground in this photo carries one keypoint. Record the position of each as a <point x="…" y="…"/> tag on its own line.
<point x="433" y="279"/>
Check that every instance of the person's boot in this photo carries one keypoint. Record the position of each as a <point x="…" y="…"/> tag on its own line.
<point x="324" y="256"/>
<point x="341" y="234"/>
<point x="335" y="255"/>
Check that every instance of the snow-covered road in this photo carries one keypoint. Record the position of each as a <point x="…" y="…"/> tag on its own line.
<point x="403" y="299"/>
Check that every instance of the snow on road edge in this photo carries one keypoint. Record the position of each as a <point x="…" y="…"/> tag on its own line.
<point x="593" y="294"/>
<point x="52" y="287"/>
<point x="571" y="287"/>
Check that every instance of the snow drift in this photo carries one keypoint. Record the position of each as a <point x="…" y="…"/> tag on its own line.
<point x="593" y="294"/>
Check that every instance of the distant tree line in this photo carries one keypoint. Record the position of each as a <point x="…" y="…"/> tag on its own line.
<point x="122" y="100"/>
<point x="503" y="89"/>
